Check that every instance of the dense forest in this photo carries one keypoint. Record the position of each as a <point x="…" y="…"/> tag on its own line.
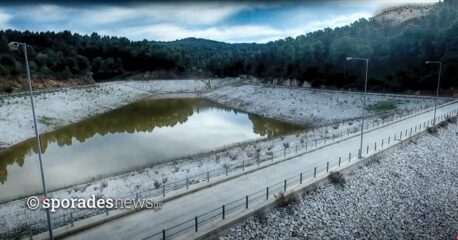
<point x="397" y="54"/>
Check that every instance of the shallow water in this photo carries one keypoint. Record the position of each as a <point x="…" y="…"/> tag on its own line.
<point x="140" y="134"/>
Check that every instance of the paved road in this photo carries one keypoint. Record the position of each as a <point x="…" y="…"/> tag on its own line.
<point x="145" y="223"/>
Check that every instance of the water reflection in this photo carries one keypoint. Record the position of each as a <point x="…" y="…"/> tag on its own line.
<point x="139" y="134"/>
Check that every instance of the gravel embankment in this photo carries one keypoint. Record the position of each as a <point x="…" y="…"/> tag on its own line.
<point x="409" y="192"/>
<point x="309" y="106"/>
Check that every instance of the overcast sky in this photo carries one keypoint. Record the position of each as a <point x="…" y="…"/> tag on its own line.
<point x="229" y="22"/>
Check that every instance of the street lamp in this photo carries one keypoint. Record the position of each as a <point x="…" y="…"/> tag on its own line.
<point x="14" y="46"/>
<point x="438" y="84"/>
<point x="360" y="153"/>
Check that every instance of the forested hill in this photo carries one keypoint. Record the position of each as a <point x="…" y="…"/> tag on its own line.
<point x="397" y="55"/>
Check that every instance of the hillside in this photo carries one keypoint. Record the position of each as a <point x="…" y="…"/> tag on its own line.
<point x="397" y="54"/>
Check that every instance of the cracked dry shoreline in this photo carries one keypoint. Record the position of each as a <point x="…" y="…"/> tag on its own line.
<point x="407" y="192"/>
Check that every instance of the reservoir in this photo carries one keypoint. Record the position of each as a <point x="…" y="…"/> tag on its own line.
<point x="143" y="133"/>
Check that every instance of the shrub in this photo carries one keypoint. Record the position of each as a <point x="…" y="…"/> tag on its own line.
<point x="443" y="124"/>
<point x="232" y="157"/>
<point x="336" y="178"/>
<point x="104" y="184"/>
<point x="452" y="120"/>
<point x="376" y="159"/>
<point x="284" y="200"/>
<point x="8" y="89"/>
<point x="381" y="107"/>
<point x="157" y="184"/>
<point x="432" y="130"/>
<point x="261" y="216"/>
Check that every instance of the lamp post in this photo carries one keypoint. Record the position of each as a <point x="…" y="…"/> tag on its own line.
<point x="360" y="152"/>
<point x="438" y="84"/>
<point x="15" y="46"/>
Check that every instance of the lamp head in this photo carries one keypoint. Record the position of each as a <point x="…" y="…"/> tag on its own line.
<point x="428" y="62"/>
<point x="349" y="58"/>
<point x="14" y="45"/>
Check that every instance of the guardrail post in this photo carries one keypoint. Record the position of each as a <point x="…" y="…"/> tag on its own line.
<point x="30" y="231"/>
<point x="382" y="143"/>
<point x="306" y="145"/>
<point x="300" y="178"/>
<point x="163" y="190"/>
<point x="246" y="202"/>
<point x="208" y="176"/>
<point x="196" y="224"/>
<point x="325" y="141"/>
<point x="163" y="234"/>
<point x="284" y="186"/>
<point x="340" y="160"/>
<point x="267" y="193"/>
<point x="284" y="152"/>
<point x="349" y="156"/>
<point x="187" y="183"/>
<point x="107" y="211"/>
<point x="243" y="165"/>
<point x="410" y="134"/>
<point x="136" y="196"/>
<point x="314" y="173"/>
<point x="296" y="149"/>
<point x="316" y="143"/>
<point x="224" y="213"/>
<point x="227" y="168"/>
<point x="375" y="146"/>
<point x="327" y="166"/>
<point x="367" y="151"/>
<point x="400" y="136"/>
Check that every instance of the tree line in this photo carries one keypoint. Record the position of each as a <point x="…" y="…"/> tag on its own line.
<point x="397" y="55"/>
